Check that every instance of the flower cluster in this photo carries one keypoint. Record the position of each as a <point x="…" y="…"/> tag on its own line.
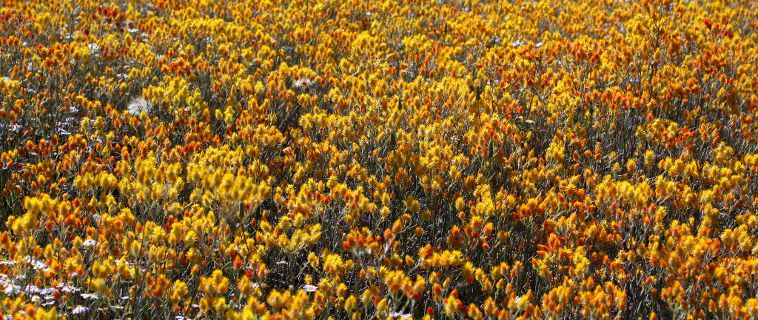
<point x="378" y="159"/>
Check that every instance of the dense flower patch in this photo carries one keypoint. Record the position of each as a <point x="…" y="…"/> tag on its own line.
<point x="378" y="159"/>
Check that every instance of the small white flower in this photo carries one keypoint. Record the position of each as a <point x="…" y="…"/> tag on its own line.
<point x="90" y="296"/>
<point x="16" y="127"/>
<point x="80" y="310"/>
<point x="89" y="243"/>
<point x="137" y="106"/>
<point x="310" y="288"/>
<point x="12" y="290"/>
<point x="32" y="289"/>
<point x="47" y="291"/>
<point x="36" y="264"/>
<point x="68" y="289"/>
<point x="303" y="83"/>
<point x="398" y="314"/>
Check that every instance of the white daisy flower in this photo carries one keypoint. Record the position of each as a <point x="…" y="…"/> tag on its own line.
<point x="310" y="288"/>
<point x="80" y="310"/>
<point x="137" y="106"/>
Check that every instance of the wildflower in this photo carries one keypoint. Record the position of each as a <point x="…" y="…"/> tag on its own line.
<point x="302" y="83"/>
<point x="90" y="296"/>
<point x="399" y="314"/>
<point x="137" y="106"/>
<point x="12" y="290"/>
<point x="79" y="310"/>
<point x="310" y="288"/>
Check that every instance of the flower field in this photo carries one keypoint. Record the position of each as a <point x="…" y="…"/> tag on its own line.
<point x="185" y="159"/>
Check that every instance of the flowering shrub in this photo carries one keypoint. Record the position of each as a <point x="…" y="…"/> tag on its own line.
<point x="378" y="159"/>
